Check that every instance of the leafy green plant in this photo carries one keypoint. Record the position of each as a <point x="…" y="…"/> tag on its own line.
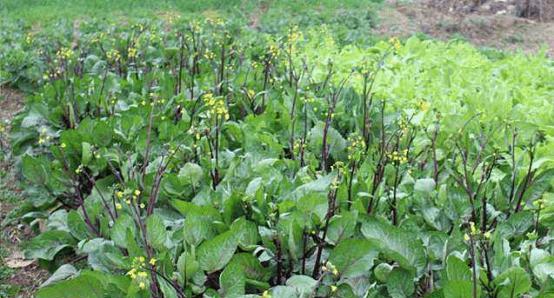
<point x="197" y="158"/>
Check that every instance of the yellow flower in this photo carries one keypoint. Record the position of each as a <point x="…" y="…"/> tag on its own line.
<point x="487" y="234"/>
<point x="395" y="43"/>
<point x="266" y="294"/>
<point x="294" y="35"/>
<point x="273" y="50"/>
<point x="209" y="55"/>
<point x="119" y="194"/>
<point x="79" y="169"/>
<point x="333" y="289"/>
<point x="216" y="106"/>
<point x="142" y="274"/>
<point x="466" y="237"/>
<point x="152" y="261"/>
<point x="142" y="285"/>
<point x="132" y="52"/>
<point x="472" y="228"/>
<point x="142" y="206"/>
<point x="137" y="192"/>
<point x="132" y="273"/>
<point x="424" y="106"/>
<point x="65" y="53"/>
<point x="63" y="145"/>
<point x="113" y="55"/>
<point x="118" y="206"/>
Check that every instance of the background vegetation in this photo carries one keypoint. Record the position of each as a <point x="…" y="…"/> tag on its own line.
<point x="183" y="149"/>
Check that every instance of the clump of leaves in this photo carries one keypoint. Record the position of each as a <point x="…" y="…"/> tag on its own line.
<point x="202" y="159"/>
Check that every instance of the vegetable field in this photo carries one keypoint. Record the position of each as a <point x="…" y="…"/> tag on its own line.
<point x="200" y="157"/>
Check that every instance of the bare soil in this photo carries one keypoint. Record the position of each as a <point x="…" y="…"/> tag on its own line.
<point x="493" y="23"/>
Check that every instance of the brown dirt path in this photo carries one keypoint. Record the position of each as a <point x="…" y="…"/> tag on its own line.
<point x="486" y="29"/>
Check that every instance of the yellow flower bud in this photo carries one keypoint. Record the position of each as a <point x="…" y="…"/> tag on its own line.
<point x="487" y="234"/>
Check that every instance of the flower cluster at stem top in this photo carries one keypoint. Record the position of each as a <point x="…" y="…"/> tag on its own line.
<point x="216" y="106"/>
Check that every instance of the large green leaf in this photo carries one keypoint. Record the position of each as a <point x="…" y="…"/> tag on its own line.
<point x="304" y="285"/>
<point x="516" y="225"/>
<point x="512" y="282"/>
<point x="542" y="264"/>
<point x="283" y="291"/>
<point x="215" y="253"/>
<point x="76" y="225"/>
<point x="186" y="208"/>
<point x="187" y="265"/>
<point x="86" y="155"/>
<point x="155" y="231"/>
<point x="81" y="286"/>
<point x="64" y="272"/>
<point x="198" y="228"/>
<point x="424" y="185"/>
<point x="103" y="255"/>
<point x="118" y="232"/>
<point x="341" y="227"/>
<point x="335" y="141"/>
<point x="540" y="184"/>
<point x="36" y="169"/>
<point x="252" y="267"/>
<point x="48" y="244"/>
<point x="320" y="185"/>
<point x="458" y="289"/>
<point x="354" y="257"/>
<point x="457" y="269"/>
<point x="232" y="280"/>
<point x="400" y="283"/>
<point x="190" y="173"/>
<point x="247" y="233"/>
<point x="395" y="243"/>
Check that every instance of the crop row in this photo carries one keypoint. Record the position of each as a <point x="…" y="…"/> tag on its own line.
<point x="191" y="158"/>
